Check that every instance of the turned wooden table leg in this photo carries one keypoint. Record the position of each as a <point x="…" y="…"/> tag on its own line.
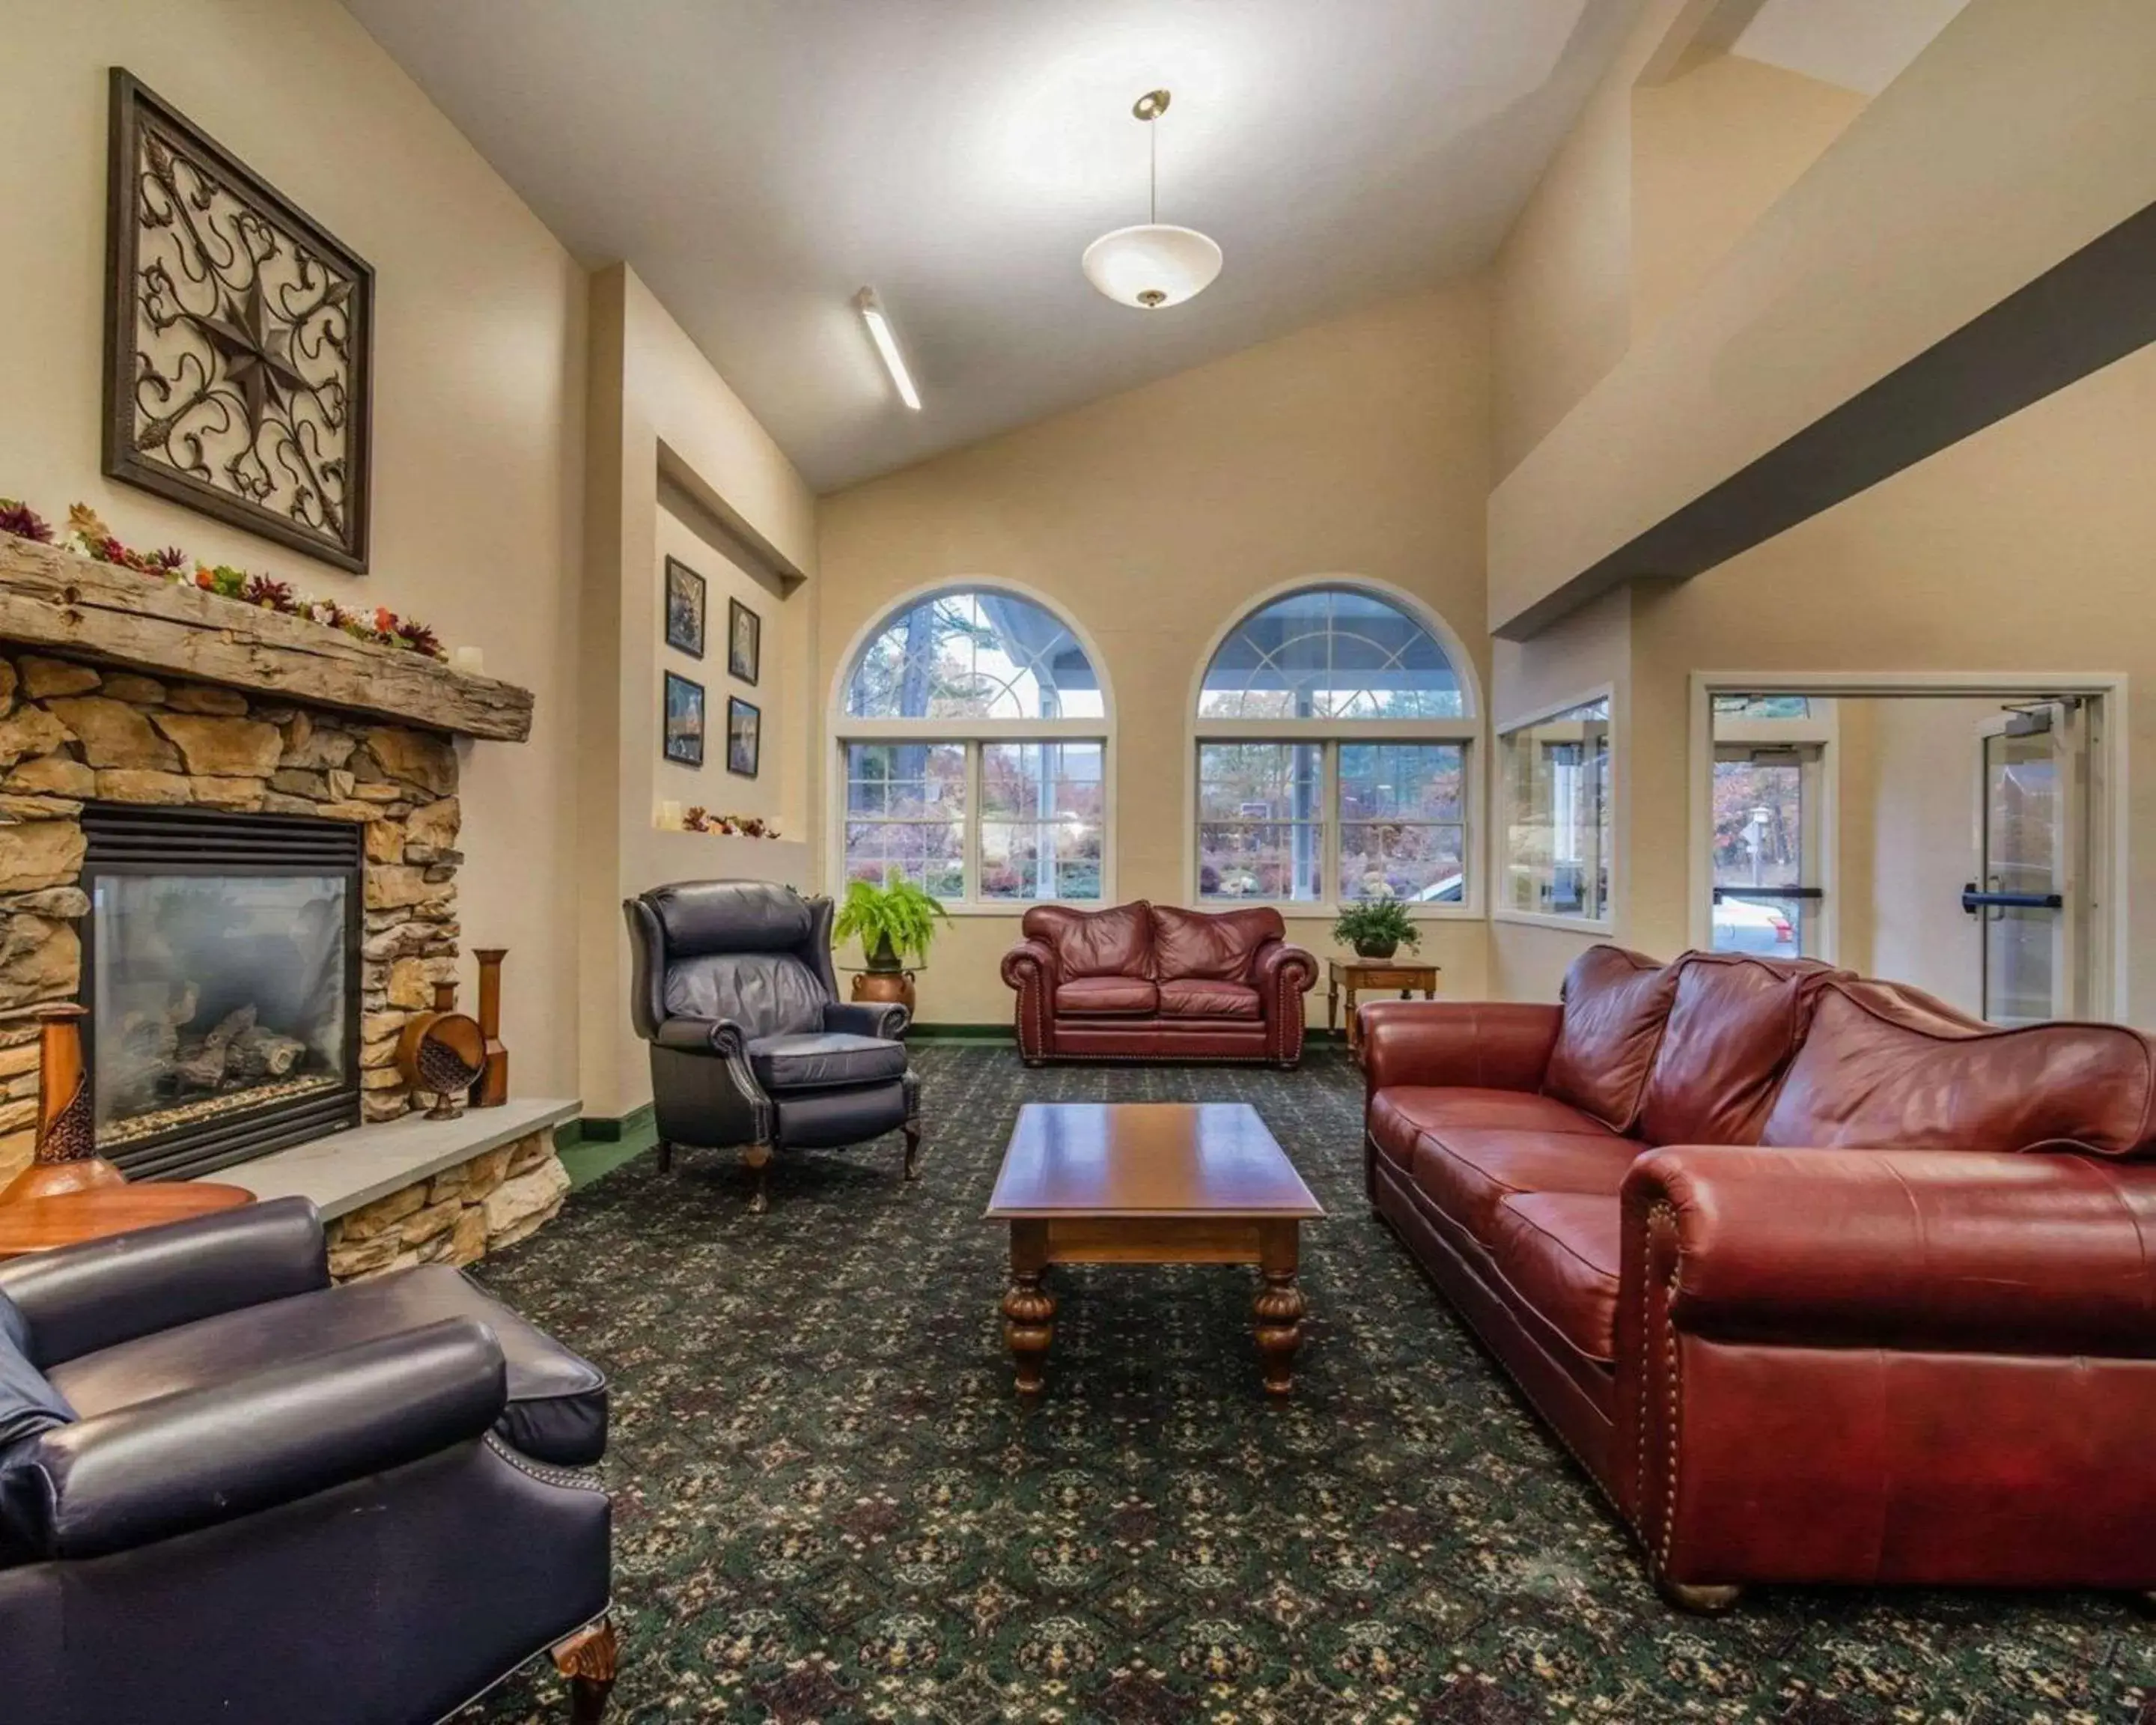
<point x="1028" y="1308"/>
<point x="756" y="1159"/>
<point x="1279" y="1307"/>
<point x="588" y="1659"/>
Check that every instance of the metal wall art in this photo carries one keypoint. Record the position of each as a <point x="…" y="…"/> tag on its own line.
<point x="237" y="336"/>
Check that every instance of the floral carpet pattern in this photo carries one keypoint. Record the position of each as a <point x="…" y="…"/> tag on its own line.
<point x="830" y="1507"/>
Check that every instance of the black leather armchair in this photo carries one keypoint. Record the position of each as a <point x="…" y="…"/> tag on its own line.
<point x="750" y="1044"/>
<point x="232" y="1492"/>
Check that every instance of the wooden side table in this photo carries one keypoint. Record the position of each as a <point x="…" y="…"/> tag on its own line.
<point x="1371" y="976"/>
<point x="38" y="1224"/>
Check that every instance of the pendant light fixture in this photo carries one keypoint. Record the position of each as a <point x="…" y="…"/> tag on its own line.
<point x="1152" y="264"/>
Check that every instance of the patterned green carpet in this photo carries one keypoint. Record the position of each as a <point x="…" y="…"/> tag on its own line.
<point x="830" y="1507"/>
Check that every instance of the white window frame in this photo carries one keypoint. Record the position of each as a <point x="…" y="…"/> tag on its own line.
<point x="1500" y="821"/>
<point x="842" y="729"/>
<point x="1465" y="732"/>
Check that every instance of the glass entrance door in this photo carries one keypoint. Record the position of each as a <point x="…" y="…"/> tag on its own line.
<point x="1767" y="894"/>
<point x="2030" y="902"/>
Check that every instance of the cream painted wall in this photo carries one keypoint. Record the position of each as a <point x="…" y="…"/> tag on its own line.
<point x="479" y="378"/>
<point x="1153" y="518"/>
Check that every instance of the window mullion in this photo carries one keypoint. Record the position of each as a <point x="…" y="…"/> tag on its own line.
<point x="970" y="887"/>
<point x="1328" y="880"/>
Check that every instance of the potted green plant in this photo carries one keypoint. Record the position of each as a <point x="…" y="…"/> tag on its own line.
<point x="892" y="922"/>
<point x="1377" y="927"/>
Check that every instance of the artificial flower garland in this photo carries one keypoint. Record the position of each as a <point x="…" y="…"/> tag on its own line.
<point x="89" y="537"/>
<point x="699" y="819"/>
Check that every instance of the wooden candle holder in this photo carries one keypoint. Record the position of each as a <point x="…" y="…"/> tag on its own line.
<point x="67" y="1158"/>
<point x="492" y="1089"/>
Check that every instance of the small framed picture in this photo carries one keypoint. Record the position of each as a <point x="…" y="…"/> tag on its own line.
<point x="684" y="739"/>
<point x="744" y="737"/>
<point x="684" y="608"/>
<point x="744" y="641"/>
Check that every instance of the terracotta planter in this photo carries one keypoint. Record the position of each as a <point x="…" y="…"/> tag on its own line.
<point x="882" y="988"/>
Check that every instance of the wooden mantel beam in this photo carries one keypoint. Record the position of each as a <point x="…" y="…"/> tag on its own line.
<point x="52" y="599"/>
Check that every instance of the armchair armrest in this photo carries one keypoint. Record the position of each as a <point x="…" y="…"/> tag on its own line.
<point x="884" y="1019"/>
<point x="1479" y="1045"/>
<point x="718" y="1036"/>
<point x="1919" y="1249"/>
<point x="80" y="1299"/>
<point x="201" y="1456"/>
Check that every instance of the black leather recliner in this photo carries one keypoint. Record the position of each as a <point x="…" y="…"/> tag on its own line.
<point x="750" y="1043"/>
<point x="232" y="1492"/>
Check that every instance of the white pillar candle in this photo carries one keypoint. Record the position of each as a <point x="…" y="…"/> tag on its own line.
<point x="670" y="816"/>
<point x="468" y="659"/>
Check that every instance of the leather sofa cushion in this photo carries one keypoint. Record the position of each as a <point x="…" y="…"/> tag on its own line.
<point x="1559" y="1251"/>
<point x="822" y="1059"/>
<point x="1196" y="998"/>
<point x="29" y="1402"/>
<point x="1616" y="1004"/>
<point x="558" y="1401"/>
<point x="766" y="993"/>
<point x="1399" y="1113"/>
<point x="1469" y="1172"/>
<point x="1116" y="943"/>
<point x="1735" y="1023"/>
<point x="1102" y="996"/>
<point x="1217" y="944"/>
<point x="1884" y="1067"/>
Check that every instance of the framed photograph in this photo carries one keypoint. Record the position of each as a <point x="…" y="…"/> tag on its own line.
<point x="684" y="608"/>
<point x="684" y="734"/>
<point x="744" y="641"/>
<point x="744" y="737"/>
<point x="237" y="340"/>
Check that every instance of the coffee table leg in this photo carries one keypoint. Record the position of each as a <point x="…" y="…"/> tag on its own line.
<point x="1028" y="1308"/>
<point x="1279" y="1306"/>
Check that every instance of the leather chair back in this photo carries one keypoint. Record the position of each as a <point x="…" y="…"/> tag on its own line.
<point x="750" y="951"/>
<point x="1212" y="946"/>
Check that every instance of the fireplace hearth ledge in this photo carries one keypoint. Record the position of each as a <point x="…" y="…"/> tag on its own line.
<point x="347" y="1170"/>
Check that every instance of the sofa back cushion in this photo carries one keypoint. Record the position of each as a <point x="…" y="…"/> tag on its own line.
<point x="1213" y="946"/>
<point x="1616" y="1003"/>
<point x="1118" y="943"/>
<point x="1735" y="1023"/>
<point x="1887" y="1067"/>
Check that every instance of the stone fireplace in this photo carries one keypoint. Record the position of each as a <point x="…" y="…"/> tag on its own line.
<point x="232" y="835"/>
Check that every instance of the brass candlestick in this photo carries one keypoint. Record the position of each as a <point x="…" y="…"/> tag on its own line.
<point x="492" y="1089"/>
<point x="67" y="1158"/>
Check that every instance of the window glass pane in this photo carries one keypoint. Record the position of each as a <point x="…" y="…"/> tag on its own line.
<point x="1041" y="820"/>
<point x="1424" y="861"/>
<point x="1255" y="859"/>
<point x="906" y="781"/>
<point x="1762" y="706"/>
<point x="1410" y="781"/>
<point x="1556" y="782"/>
<point x="1260" y="781"/>
<point x="1758" y="845"/>
<point x="1330" y="652"/>
<point x="976" y="654"/>
<point x="930" y="854"/>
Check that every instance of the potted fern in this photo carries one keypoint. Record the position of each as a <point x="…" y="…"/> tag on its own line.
<point x="893" y="922"/>
<point x="1377" y="927"/>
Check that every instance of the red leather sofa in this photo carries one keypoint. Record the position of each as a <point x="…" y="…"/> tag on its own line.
<point x="1148" y="982"/>
<point x="1821" y="1281"/>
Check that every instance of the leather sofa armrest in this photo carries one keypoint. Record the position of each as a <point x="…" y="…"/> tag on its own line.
<point x="80" y="1299"/>
<point x="1278" y="964"/>
<point x="198" y="1457"/>
<point x="1029" y="969"/>
<point x="1030" y="961"/>
<point x="2036" y="1253"/>
<point x="1480" y="1044"/>
<point x="886" y="1021"/>
<point x="718" y="1036"/>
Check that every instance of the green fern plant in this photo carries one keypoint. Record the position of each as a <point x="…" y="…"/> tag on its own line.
<point x="1376" y="927"/>
<point x="891" y="922"/>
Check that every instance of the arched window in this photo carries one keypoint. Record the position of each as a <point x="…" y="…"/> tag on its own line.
<point x="973" y="741"/>
<point x="1335" y="735"/>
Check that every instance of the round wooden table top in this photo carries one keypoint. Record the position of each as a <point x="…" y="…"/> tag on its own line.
<point x="38" y="1224"/>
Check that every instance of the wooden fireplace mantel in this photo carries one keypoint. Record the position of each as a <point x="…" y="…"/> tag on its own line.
<point x="53" y="600"/>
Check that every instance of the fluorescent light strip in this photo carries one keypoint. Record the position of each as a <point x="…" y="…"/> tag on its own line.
<point x="871" y="310"/>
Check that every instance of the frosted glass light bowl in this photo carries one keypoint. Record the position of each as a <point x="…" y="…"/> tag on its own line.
<point x="1151" y="265"/>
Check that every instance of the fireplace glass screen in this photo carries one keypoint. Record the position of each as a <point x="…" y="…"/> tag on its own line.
<point x="214" y="995"/>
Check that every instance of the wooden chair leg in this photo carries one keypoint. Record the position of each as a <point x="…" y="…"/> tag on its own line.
<point x="912" y="1152"/>
<point x="1701" y="1599"/>
<point x="588" y="1659"/>
<point x="758" y="1157"/>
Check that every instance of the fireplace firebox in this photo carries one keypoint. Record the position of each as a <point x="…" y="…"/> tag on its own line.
<point x="221" y="970"/>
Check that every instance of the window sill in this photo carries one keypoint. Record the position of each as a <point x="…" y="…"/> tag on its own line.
<point x="1545" y="919"/>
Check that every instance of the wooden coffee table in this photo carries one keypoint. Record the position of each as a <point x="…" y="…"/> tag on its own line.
<point x="1150" y="1182"/>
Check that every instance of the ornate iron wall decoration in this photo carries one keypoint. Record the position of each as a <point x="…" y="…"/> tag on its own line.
<point x="237" y="336"/>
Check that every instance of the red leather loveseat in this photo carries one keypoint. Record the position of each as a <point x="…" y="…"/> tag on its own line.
<point x="1820" y="1280"/>
<point x="1151" y="982"/>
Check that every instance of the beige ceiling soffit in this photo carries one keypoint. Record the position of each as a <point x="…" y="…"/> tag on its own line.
<point x="1709" y="24"/>
<point x="715" y="519"/>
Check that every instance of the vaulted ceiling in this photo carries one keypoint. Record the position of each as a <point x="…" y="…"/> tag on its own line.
<point x="757" y="162"/>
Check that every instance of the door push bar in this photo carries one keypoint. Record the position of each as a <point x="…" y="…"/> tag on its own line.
<point x="1972" y="901"/>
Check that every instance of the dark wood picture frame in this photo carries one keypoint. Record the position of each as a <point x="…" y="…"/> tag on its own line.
<point x="684" y="747"/>
<point x="740" y="665"/>
<point x="258" y="344"/>
<point x="745" y="743"/>
<point x="684" y="628"/>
